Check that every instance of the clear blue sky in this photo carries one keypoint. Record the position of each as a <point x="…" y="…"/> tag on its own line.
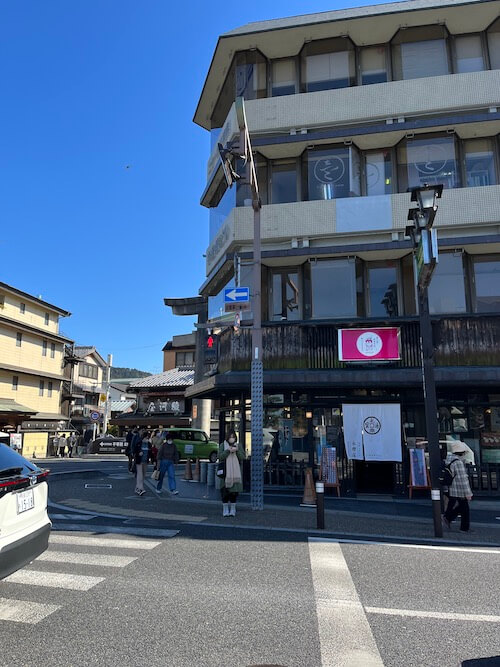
<point x="88" y="87"/>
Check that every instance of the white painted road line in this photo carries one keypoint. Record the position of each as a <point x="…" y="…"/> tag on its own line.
<point x="401" y="545"/>
<point x="73" y="582"/>
<point x="91" y="541"/>
<point x="72" y="517"/>
<point x="482" y="618"/>
<point x="102" y="560"/>
<point x="345" y="635"/>
<point x="20" y="611"/>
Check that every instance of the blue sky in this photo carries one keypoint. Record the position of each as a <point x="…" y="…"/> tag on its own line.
<point x="89" y="87"/>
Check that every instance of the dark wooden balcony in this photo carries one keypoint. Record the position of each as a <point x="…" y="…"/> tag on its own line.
<point x="468" y="340"/>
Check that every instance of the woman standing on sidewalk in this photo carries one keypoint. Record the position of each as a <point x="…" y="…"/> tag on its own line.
<point x="232" y="454"/>
<point x="167" y="457"/>
<point x="460" y="492"/>
<point x="141" y="456"/>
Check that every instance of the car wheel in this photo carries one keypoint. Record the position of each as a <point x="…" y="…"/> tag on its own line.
<point x="213" y="457"/>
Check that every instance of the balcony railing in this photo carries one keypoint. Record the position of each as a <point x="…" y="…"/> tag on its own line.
<point x="470" y="340"/>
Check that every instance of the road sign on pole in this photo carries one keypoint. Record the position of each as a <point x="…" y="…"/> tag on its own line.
<point x="237" y="295"/>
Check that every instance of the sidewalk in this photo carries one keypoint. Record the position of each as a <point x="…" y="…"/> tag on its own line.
<point x="199" y="504"/>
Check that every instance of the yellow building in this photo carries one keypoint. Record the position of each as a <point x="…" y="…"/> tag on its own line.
<point x="32" y="353"/>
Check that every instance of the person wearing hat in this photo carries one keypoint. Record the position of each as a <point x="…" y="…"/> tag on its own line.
<point x="459" y="491"/>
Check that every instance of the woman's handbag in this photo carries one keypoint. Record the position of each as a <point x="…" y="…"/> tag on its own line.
<point x="155" y="475"/>
<point x="221" y="469"/>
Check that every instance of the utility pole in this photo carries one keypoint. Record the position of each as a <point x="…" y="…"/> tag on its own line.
<point x="106" y="392"/>
<point x="244" y="152"/>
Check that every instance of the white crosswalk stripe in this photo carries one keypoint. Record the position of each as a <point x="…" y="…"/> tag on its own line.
<point x="105" y="555"/>
<point x="75" y="582"/>
<point x="103" y="560"/>
<point x="21" y="611"/>
<point x="91" y="541"/>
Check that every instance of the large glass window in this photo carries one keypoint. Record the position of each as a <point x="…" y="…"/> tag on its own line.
<point x="336" y="288"/>
<point x="378" y="172"/>
<point x="447" y="287"/>
<point x="426" y="159"/>
<point x="486" y="284"/>
<point x="283" y="181"/>
<point x="420" y="52"/>
<point x="333" y="173"/>
<point x="373" y="64"/>
<point x="382" y="289"/>
<point x="283" y="77"/>
<point x="251" y="75"/>
<point x="284" y="294"/>
<point x="480" y="162"/>
<point x="494" y="44"/>
<point x="468" y="53"/>
<point x="328" y="64"/>
<point x="226" y="201"/>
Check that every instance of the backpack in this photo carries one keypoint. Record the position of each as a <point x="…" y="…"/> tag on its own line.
<point x="446" y="476"/>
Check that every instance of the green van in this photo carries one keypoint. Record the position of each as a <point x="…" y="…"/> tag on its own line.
<point x="193" y="443"/>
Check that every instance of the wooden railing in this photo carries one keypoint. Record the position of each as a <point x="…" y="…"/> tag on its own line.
<point x="458" y="341"/>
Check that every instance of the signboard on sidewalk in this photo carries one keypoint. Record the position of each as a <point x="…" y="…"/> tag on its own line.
<point x="376" y="344"/>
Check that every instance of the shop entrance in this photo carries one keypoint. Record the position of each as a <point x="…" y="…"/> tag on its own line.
<point x="374" y="476"/>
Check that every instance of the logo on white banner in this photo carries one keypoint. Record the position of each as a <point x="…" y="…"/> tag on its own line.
<point x="369" y="344"/>
<point x="371" y="425"/>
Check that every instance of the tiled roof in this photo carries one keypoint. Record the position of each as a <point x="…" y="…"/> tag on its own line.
<point x="121" y="406"/>
<point x="176" y="377"/>
<point x="83" y="350"/>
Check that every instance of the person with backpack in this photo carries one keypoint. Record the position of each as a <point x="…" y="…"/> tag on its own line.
<point x="456" y="478"/>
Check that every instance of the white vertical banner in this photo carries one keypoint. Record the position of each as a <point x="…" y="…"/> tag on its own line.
<point x="372" y="431"/>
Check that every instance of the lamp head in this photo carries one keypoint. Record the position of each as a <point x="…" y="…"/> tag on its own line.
<point x="426" y="196"/>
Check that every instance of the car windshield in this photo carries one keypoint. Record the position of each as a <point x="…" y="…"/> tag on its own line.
<point x="11" y="459"/>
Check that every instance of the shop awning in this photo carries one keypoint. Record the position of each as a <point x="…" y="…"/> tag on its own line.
<point x="8" y="405"/>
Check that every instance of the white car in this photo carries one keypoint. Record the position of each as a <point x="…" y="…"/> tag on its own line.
<point x="24" y="522"/>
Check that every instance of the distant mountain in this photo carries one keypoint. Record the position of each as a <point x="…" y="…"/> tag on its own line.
<point x="117" y="373"/>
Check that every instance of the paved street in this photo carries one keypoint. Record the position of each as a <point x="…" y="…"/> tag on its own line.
<point x="164" y="584"/>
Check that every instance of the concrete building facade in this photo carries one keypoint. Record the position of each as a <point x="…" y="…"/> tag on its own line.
<point x="347" y="110"/>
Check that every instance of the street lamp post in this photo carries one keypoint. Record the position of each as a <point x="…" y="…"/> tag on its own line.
<point x="425" y="242"/>
<point x="244" y="152"/>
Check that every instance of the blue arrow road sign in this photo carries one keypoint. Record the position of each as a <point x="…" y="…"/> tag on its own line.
<point x="237" y="295"/>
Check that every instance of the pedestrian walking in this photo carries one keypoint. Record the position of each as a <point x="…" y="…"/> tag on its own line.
<point x="71" y="444"/>
<point x="230" y="454"/>
<point x="168" y="456"/>
<point x="61" y="445"/>
<point x="55" y="445"/>
<point x="459" y="491"/>
<point x="131" y="438"/>
<point x="156" y="442"/>
<point x="80" y="445"/>
<point x="141" y="455"/>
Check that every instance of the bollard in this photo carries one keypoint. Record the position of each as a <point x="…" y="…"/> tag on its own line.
<point x="203" y="472"/>
<point x="309" y="497"/>
<point x="320" y="505"/>
<point x="211" y="474"/>
<point x="188" y="473"/>
<point x="196" y="471"/>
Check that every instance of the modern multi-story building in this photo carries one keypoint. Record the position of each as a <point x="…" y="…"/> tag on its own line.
<point x="32" y="357"/>
<point x="347" y="110"/>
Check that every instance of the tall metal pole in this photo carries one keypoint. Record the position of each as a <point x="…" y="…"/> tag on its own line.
<point x="106" y="386"/>
<point x="257" y="367"/>
<point x="430" y="402"/>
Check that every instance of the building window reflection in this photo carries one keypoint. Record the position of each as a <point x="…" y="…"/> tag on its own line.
<point x="382" y="289"/>
<point x="420" y="52"/>
<point x="447" y="287"/>
<point x="428" y="159"/>
<point x="480" y="166"/>
<point x="486" y="281"/>
<point x="333" y="173"/>
<point x="284" y="295"/>
<point x="327" y="64"/>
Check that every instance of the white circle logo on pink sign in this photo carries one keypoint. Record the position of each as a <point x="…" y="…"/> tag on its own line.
<point x="369" y="344"/>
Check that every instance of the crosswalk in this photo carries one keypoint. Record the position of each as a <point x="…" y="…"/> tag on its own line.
<point x="50" y="571"/>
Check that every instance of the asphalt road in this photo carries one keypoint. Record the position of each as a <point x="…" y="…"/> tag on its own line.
<point x="225" y="596"/>
<point x="148" y="592"/>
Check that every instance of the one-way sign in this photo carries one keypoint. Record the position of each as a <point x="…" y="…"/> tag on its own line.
<point x="236" y="295"/>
